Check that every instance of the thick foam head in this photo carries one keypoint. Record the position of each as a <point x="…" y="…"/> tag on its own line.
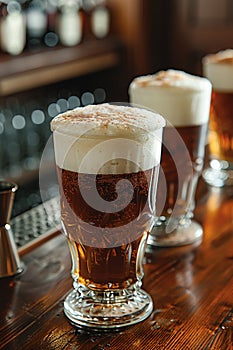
<point x="218" y="68"/>
<point x="107" y="139"/>
<point x="183" y="99"/>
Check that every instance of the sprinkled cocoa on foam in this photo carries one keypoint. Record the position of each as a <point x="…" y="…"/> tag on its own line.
<point x="107" y="118"/>
<point x="224" y="56"/>
<point x="171" y="78"/>
<point x="123" y="138"/>
<point x="182" y="98"/>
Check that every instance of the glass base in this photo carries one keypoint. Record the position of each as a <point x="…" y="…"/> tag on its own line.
<point x="219" y="173"/>
<point x="107" y="310"/>
<point x="218" y="178"/>
<point x="182" y="235"/>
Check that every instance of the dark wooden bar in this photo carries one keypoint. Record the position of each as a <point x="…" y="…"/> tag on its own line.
<point x="192" y="289"/>
<point x="47" y="66"/>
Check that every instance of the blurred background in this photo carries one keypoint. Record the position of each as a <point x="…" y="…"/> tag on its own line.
<point x="56" y="55"/>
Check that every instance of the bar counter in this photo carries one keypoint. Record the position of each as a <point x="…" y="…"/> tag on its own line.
<point x="191" y="286"/>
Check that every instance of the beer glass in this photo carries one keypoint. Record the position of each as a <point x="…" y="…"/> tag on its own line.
<point x="184" y="100"/>
<point x="218" y="68"/>
<point x="107" y="159"/>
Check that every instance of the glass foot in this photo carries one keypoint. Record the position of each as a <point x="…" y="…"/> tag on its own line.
<point x="213" y="177"/>
<point x="107" y="310"/>
<point x="183" y="235"/>
<point x="219" y="174"/>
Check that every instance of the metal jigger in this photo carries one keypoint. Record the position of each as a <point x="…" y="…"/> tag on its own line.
<point x="9" y="259"/>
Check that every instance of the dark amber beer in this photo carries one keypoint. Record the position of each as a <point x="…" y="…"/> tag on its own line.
<point x="221" y="126"/>
<point x="107" y="159"/>
<point x="101" y="260"/>
<point x="184" y="100"/>
<point x="185" y="164"/>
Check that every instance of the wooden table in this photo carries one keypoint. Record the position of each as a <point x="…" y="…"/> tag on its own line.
<point x="192" y="289"/>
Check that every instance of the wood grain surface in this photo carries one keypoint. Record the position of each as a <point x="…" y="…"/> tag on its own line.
<point x="191" y="286"/>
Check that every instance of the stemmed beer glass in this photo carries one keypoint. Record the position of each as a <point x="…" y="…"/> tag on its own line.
<point x="218" y="68"/>
<point x="184" y="100"/>
<point x="107" y="159"/>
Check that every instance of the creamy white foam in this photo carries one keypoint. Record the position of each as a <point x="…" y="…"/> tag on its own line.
<point x="218" y="68"/>
<point x="107" y="139"/>
<point x="183" y="99"/>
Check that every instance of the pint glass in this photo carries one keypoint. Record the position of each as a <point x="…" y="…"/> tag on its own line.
<point x="184" y="100"/>
<point x="218" y="68"/>
<point x="107" y="159"/>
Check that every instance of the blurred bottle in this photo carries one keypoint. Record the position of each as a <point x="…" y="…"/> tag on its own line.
<point x="100" y="19"/>
<point x="87" y="8"/>
<point x="51" y="38"/>
<point x="36" y="23"/>
<point x="97" y="18"/>
<point x="70" y="22"/>
<point x="12" y="27"/>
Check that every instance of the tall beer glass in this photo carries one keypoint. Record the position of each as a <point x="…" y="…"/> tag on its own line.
<point x="184" y="100"/>
<point x="218" y="68"/>
<point x="107" y="159"/>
